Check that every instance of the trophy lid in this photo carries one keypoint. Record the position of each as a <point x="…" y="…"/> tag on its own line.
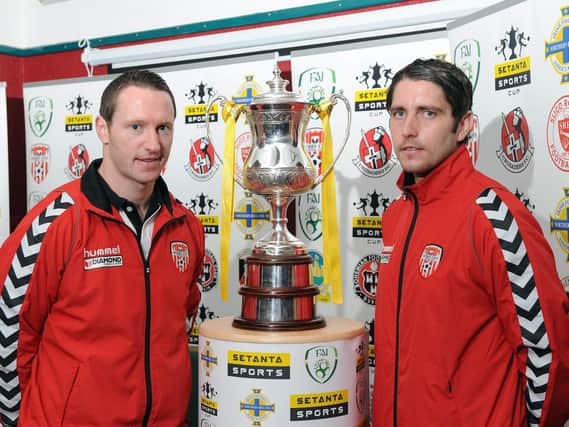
<point x="277" y="91"/>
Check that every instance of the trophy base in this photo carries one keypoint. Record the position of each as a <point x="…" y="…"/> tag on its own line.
<point x="278" y="294"/>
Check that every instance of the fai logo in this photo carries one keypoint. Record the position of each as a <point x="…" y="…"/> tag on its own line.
<point x="430" y="260"/>
<point x="247" y="90"/>
<point x="558" y="133"/>
<point x="317" y="271"/>
<point x="375" y="155"/>
<point x="77" y="161"/>
<point x="473" y="140"/>
<point x="180" y="255"/>
<point x="208" y="278"/>
<point x="557" y="49"/>
<point x="376" y="79"/>
<point x="515" y="151"/>
<point x="313" y="138"/>
<point x="366" y="278"/>
<point x="525" y="200"/>
<point x="310" y="215"/>
<point x="515" y="70"/>
<point x="467" y="58"/>
<point x="39" y="161"/>
<point x="208" y="358"/>
<point x="321" y="362"/>
<point x="202" y="163"/>
<point x="256" y="407"/>
<point x="199" y="97"/>
<point x="317" y="84"/>
<point x="250" y="215"/>
<point x="40" y="113"/>
<point x="79" y="121"/>
<point x="559" y="223"/>
<point x="242" y="149"/>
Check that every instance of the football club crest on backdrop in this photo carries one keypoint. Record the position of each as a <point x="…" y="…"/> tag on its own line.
<point x="208" y="278"/>
<point x="251" y="214"/>
<point x="516" y="150"/>
<point x="467" y="58"/>
<point x="40" y="113"/>
<point x="559" y="223"/>
<point x="515" y="71"/>
<point x="375" y="153"/>
<point x="39" y="161"/>
<point x="77" y="161"/>
<point x="202" y="163"/>
<point x="366" y="278"/>
<point x="313" y="138"/>
<point x="247" y="90"/>
<point x="558" y="133"/>
<point x="430" y="260"/>
<point x="79" y="120"/>
<point x="256" y="407"/>
<point x="557" y="48"/>
<point x="242" y="148"/>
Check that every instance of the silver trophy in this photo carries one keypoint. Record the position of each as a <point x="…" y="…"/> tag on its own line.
<point x="278" y="293"/>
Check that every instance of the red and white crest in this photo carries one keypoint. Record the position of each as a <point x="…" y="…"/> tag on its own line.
<point x="563" y="129"/>
<point x="77" y="161"/>
<point x="39" y="162"/>
<point x="180" y="254"/>
<point x="313" y="139"/>
<point x="430" y="260"/>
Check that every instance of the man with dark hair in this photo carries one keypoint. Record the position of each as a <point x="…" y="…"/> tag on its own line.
<point x="471" y="324"/>
<point x="99" y="279"/>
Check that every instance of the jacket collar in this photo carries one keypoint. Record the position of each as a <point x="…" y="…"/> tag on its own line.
<point x="439" y="180"/>
<point x="100" y="194"/>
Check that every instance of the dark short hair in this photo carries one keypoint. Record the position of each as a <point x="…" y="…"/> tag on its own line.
<point x="453" y="82"/>
<point x="140" y="78"/>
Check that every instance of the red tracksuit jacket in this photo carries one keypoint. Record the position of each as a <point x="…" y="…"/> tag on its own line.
<point x="91" y="334"/>
<point x="471" y="324"/>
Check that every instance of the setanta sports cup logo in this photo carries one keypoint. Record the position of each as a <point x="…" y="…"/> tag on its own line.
<point x="208" y="404"/>
<point x="559" y="223"/>
<point x="525" y="200"/>
<point x="557" y="48"/>
<point x="180" y="255"/>
<point x="77" y="161"/>
<point x="208" y="278"/>
<point x="204" y="313"/>
<point x="321" y="362"/>
<point x="199" y="97"/>
<point x="310" y="215"/>
<point x="317" y="84"/>
<point x="203" y="207"/>
<point x="247" y="90"/>
<point x="318" y="406"/>
<point x="208" y="358"/>
<point x="370" y="327"/>
<point x="313" y="139"/>
<point x="467" y="58"/>
<point x="79" y="120"/>
<point x="202" y="163"/>
<point x="366" y="278"/>
<point x="376" y="79"/>
<point x="375" y="154"/>
<point x="558" y="133"/>
<point x="515" y="151"/>
<point x="473" y="140"/>
<point x="369" y="223"/>
<point x="275" y="366"/>
<point x="430" y="260"/>
<point x="256" y="407"/>
<point x="39" y="161"/>
<point x="40" y="113"/>
<point x="242" y="149"/>
<point x="515" y="71"/>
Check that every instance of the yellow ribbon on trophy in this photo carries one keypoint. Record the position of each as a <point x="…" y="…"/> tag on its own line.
<point x="230" y="116"/>
<point x="330" y="241"/>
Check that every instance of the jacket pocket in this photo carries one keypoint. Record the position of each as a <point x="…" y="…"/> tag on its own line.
<point x="73" y="374"/>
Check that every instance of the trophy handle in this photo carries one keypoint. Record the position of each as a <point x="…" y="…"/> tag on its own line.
<point x="334" y="99"/>
<point x="235" y="111"/>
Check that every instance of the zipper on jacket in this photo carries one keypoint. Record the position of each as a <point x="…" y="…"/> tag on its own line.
<point x="399" y="292"/>
<point x="147" y="346"/>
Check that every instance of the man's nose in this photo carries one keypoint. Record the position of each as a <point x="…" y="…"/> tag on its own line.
<point x="409" y="125"/>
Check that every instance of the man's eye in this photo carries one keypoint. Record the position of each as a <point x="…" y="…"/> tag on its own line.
<point x="135" y="126"/>
<point x="429" y="114"/>
<point x="397" y="114"/>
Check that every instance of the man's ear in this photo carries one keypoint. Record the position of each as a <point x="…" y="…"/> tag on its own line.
<point x="102" y="130"/>
<point x="465" y="126"/>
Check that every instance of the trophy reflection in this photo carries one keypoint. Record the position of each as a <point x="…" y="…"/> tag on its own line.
<point x="278" y="293"/>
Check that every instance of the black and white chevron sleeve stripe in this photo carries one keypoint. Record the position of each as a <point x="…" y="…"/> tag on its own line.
<point x="15" y="287"/>
<point x="526" y="299"/>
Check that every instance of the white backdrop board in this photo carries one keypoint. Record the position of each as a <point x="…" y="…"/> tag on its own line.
<point x="4" y="168"/>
